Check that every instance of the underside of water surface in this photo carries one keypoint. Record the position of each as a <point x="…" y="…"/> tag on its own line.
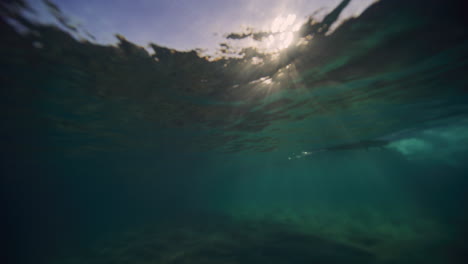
<point x="346" y="143"/>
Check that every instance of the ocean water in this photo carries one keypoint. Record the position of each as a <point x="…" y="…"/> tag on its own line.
<point x="348" y="146"/>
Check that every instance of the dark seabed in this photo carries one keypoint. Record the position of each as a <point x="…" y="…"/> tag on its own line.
<point x="349" y="146"/>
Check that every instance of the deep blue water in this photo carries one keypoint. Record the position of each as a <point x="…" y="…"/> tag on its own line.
<point x="348" y="148"/>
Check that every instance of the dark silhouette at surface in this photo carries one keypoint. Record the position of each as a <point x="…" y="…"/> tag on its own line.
<point x="364" y="144"/>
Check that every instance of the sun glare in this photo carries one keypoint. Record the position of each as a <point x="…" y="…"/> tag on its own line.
<point x="282" y="29"/>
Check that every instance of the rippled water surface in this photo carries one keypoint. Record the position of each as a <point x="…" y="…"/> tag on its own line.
<point x="324" y="141"/>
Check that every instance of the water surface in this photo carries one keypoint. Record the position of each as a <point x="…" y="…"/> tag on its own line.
<point x="345" y="144"/>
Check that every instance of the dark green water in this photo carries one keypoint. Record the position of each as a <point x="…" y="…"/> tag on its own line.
<point x="350" y="148"/>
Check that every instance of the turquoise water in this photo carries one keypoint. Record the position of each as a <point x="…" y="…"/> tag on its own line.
<point x="349" y="146"/>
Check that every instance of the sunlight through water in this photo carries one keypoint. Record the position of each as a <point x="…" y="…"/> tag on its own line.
<point x="282" y="31"/>
<point x="330" y="134"/>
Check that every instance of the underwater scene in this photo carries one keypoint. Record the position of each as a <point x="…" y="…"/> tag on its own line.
<point x="234" y="132"/>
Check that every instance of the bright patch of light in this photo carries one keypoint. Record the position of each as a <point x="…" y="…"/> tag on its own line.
<point x="267" y="81"/>
<point x="297" y="26"/>
<point x="257" y="60"/>
<point x="282" y="29"/>
<point x="301" y="155"/>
